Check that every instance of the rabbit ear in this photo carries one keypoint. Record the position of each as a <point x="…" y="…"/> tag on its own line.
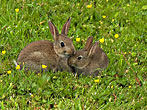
<point x="88" y="43"/>
<point x="53" y="30"/>
<point x="66" y="27"/>
<point x="93" y="49"/>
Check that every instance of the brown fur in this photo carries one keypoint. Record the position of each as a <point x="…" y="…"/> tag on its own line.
<point x="48" y="53"/>
<point x="93" y="59"/>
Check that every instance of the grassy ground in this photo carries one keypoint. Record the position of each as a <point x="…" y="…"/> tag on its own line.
<point x="123" y="85"/>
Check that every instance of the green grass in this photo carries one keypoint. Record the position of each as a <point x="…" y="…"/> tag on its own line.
<point x="123" y="85"/>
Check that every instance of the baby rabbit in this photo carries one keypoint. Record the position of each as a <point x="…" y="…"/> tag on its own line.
<point x="90" y="60"/>
<point x="52" y="54"/>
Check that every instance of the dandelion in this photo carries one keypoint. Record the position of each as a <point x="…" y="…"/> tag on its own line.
<point x="84" y="25"/>
<point x="97" y="81"/>
<point x="1" y="81"/>
<point x="130" y="86"/>
<point x="78" y="4"/>
<point x="39" y="74"/>
<point x="17" y="10"/>
<point x="9" y="72"/>
<point x="104" y="16"/>
<point x="31" y="95"/>
<point x="107" y="0"/>
<point x="112" y="20"/>
<point x="100" y="22"/>
<point x="3" y="52"/>
<point x="77" y="39"/>
<point x="101" y="40"/>
<point x="128" y="5"/>
<point x="111" y="86"/>
<point x="125" y="53"/>
<point x="116" y="36"/>
<point x="89" y="6"/>
<point x="127" y="21"/>
<point x="17" y="67"/>
<point x="44" y="66"/>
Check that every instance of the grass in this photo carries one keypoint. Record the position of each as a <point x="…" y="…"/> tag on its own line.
<point x="123" y="85"/>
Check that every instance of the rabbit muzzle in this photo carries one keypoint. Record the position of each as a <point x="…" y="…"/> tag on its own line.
<point x="69" y="52"/>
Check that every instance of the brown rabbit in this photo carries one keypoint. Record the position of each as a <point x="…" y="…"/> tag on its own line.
<point x="90" y="60"/>
<point x="52" y="54"/>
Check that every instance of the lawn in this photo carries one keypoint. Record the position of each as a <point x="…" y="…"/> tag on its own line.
<point x="119" y="25"/>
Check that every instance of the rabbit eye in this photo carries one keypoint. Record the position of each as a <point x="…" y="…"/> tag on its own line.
<point x="62" y="44"/>
<point x="79" y="57"/>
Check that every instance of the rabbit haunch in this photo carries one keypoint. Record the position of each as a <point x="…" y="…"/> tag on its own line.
<point x="52" y="54"/>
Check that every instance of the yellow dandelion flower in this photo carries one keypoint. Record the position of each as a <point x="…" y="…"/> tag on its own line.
<point x="128" y="5"/>
<point x="130" y="86"/>
<point x="116" y="36"/>
<point x="97" y="81"/>
<point x="89" y="6"/>
<point x="17" y="10"/>
<point x="100" y="22"/>
<point x="77" y="39"/>
<point x="112" y="20"/>
<point x="9" y="72"/>
<point x="32" y="95"/>
<point x="1" y="81"/>
<point x="125" y="53"/>
<point x="17" y="67"/>
<point x="127" y="21"/>
<point x="107" y="0"/>
<point x="44" y="66"/>
<point x="3" y="52"/>
<point x="39" y="74"/>
<point x="78" y="4"/>
<point x="111" y="86"/>
<point x="104" y="16"/>
<point x="84" y="25"/>
<point x="101" y="40"/>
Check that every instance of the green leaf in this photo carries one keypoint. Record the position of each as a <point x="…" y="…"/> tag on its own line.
<point x="144" y="7"/>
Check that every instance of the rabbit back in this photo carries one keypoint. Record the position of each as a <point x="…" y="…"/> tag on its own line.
<point x="38" y="53"/>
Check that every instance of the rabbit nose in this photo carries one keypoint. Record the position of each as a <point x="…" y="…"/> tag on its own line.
<point x="71" y="52"/>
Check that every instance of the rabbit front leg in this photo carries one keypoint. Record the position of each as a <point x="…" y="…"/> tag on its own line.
<point x="63" y="65"/>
